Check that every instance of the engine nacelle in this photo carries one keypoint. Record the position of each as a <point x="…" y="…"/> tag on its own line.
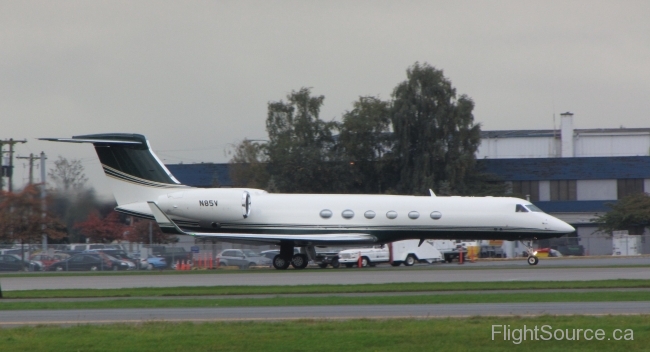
<point x="210" y="207"/>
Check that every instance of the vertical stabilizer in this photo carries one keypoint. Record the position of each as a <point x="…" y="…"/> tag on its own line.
<point x="134" y="172"/>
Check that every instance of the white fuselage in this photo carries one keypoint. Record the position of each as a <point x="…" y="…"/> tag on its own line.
<point x="395" y="217"/>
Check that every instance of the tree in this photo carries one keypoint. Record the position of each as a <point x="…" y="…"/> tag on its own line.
<point x="23" y="220"/>
<point x="435" y="135"/>
<point x="68" y="175"/>
<point x="102" y="230"/>
<point x="248" y="166"/>
<point x="301" y="153"/>
<point x="630" y="213"/>
<point x="365" y="144"/>
<point x="139" y="232"/>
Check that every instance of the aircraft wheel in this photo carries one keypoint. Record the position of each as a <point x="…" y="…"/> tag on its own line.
<point x="280" y="263"/>
<point x="533" y="260"/>
<point x="410" y="260"/>
<point x="300" y="261"/>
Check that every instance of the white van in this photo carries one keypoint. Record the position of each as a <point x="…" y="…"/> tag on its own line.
<point x="407" y="252"/>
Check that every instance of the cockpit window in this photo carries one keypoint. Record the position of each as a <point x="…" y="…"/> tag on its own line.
<point x="534" y="208"/>
<point x="521" y="209"/>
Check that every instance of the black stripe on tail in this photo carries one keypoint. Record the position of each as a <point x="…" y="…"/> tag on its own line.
<point x="129" y="154"/>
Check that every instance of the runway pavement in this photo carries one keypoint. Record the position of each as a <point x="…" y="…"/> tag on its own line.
<point x="330" y="276"/>
<point x="106" y="316"/>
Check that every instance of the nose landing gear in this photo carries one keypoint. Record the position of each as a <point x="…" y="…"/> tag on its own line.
<point x="532" y="259"/>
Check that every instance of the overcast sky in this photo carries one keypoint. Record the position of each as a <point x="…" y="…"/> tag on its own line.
<point x="195" y="76"/>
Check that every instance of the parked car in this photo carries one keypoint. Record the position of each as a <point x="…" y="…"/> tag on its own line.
<point x="47" y="260"/>
<point x="12" y="262"/>
<point x="171" y="254"/>
<point x="90" y="261"/>
<point x="119" y="254"/>
<point x="242" y="258"/>
<point x="153" y="262"/>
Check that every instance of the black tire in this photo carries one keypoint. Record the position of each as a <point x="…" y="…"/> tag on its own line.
<point x="365" y="262"/>
<point x="335" y="263"/>
<point x="322" y="265"/>
<point x="396" y="263"/>
<point x="532" y="260"/>
<point x="300" y="261"/>
<point x="410" y="260"/>
<point x="280" y="263"/>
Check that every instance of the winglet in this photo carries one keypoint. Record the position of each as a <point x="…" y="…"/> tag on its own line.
<point x="164" y="222"/>
<point x="431" y="193"/>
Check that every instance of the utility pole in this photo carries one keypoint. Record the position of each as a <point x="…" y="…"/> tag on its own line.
<point x="43" y="202"/>
<point x="31" y="159"/>
<point x="10" y="168"/>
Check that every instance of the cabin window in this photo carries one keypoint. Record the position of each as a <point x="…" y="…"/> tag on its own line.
<point x="325" y="213"/>
<point x="534" y="208"/>
<point x="369" y="214"/>
<point x="414" y="215"/>
<point x="391" y="214"/>
<point x="435" y="215"/>
<point x="521" y="209"/>
<point x="347" y="213"/>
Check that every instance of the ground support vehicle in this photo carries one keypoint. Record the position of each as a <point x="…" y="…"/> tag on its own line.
<point x="450" y="249"/>
<point x="323" y="259"/>
<point x="407" y="252"/>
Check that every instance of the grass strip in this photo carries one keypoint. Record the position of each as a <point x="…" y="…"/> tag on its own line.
<point x="332" y="300"/>
<point x="311" y="271"/>
<point x="363" y="288"/>
<point x="448" y="334"/>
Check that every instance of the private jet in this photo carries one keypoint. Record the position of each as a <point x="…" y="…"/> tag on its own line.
<point x="144" y="187"/>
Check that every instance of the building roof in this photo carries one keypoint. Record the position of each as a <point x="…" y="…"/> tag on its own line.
<point x="202" y="175"/>
<point x="556" y="133"/>
<point x="582" y="168"/>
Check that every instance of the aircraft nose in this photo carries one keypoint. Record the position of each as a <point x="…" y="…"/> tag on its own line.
<point x="561" y="226"/>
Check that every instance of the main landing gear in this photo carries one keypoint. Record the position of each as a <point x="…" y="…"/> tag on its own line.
<point x="532" y="259"/>
<point x="286" y="258"/>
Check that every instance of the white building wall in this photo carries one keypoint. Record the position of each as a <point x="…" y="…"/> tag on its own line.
<point x="505" y="148"/>
<point x="646" y="185"/>
<point x="544" y="191"/>
<point x="612" y="145"/>
<point x="596" y="189"/>
<point x="585" y="145"/>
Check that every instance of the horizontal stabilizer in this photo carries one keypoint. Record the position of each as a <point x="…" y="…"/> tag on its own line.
<point x="167" y="225"/>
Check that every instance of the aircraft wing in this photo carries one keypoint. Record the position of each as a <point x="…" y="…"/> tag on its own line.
<point x="167" y="225"/>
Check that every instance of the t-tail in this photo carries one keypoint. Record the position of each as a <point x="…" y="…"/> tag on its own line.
<point x="134" y="172"/>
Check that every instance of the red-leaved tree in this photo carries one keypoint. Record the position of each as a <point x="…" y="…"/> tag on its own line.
<point x="139" y="232"/>
<point x="104" y="230"/>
